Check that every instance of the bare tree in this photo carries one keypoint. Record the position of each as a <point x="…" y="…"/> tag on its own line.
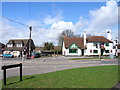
<point x="67" y="33"/>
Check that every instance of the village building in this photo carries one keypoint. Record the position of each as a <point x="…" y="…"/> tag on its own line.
<point x="117" y="50"/>
<point x="88" y="46"/>
<point x="118" y="47"/>
<point x="18" y="47"/>
<point x="1" y="48"/>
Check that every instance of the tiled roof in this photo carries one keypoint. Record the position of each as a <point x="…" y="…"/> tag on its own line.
<point x="77" y="40"/>
<point x="25" y="43"/>
<point x="18" y="41"/>
<point x="14" y="48"/>
<point x="98" y="39"/>
<point x="2" y="45"/>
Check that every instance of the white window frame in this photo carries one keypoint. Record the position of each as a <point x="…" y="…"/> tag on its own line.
<point x="19" y="45"/>
<point x="9" y="45"/>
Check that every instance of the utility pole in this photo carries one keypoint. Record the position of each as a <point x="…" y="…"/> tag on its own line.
<point x="30" y="28"/>
<point x="116" y="47"/>
<point x="100" y="51"/>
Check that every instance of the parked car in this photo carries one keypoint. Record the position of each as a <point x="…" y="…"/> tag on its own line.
<point x="37" y="55"/>
<point x="7" y="56"/>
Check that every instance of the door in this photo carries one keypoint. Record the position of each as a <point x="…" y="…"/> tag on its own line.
<point x="102" y="51"/>
<point x="82" y="52"/>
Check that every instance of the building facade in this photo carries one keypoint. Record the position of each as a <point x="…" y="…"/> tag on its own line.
<point x="72" y="46"/>
<point x="19" y="47"/>
<point x="88" y="46"/>
<point x="1" y="48"/>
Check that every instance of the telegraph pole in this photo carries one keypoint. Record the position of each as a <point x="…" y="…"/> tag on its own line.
<point x="30" y="28"/>
<point x="116" y="47"/>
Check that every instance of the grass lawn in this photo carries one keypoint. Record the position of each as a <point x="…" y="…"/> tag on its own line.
<point x="87" y="77"/>
<point x="89" y="58"/>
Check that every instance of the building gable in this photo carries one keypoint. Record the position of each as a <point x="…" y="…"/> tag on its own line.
<point x="19" y="44"/>
<point x="78" y="41"/>
<point x="73" y="46"/>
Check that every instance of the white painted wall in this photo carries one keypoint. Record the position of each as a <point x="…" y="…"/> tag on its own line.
<point x="65" y="51"/>
<point x="84" y="38"/>
<point x="6" y="52"/>
<point x="109" y="35"/>
<point x="90" y="46"/>
<point x="14" y="53"/>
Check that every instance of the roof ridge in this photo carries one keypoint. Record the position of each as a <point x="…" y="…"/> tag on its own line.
<point x="18" y="39"/>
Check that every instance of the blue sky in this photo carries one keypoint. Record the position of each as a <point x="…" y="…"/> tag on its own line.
<point x="71" y="11"/>
<point x="54" y="17"/>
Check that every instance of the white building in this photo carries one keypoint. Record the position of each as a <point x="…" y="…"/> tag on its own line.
<point x="92" y="45"/>
<point x="72" y="46"/>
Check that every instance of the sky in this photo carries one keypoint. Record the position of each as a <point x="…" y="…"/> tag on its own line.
<point x="49" y="19"/>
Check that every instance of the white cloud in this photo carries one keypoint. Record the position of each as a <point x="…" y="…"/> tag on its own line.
<point x="80" y="25"/>
<point x="8" y="31"/>
<point x="60" y="26"/>
<point x="50" y="35"/>
<point x="103" y="18"/>
<point x="50" y="20"/>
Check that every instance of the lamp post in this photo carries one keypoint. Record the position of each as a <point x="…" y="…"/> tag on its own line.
<point x="30" y="28"/>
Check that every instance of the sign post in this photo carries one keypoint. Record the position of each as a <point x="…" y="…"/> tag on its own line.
<point x="11" y="66"/>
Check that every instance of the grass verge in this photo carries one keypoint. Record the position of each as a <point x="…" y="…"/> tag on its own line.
<point x="90" y="58"/>
<point x="87" y="77"/>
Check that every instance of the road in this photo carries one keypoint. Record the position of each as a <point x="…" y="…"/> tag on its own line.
<point x="51" y="64"/>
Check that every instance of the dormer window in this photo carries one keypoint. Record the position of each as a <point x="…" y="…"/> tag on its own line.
<point x="9" y="45"/>
<point x="19" y="45"/>
<point x="106" y="44"/>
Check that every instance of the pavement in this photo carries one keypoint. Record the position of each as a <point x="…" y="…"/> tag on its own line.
<point x="51" y="64"/>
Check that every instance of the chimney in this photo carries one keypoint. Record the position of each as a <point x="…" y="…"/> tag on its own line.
<point x="84" y="38"/>
<point x="109" y="35"/>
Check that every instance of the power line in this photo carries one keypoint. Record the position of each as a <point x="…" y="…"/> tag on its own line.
<point x="15" y="21"/>
<point x="11" y="29"/>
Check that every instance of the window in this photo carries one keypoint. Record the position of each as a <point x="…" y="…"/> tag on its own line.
<point x="72" y="50"/>
<point x="9" y="45"/>
<point x="19" y="45"/>
<point x="106" y="51"/>
<point x="95" y="51"/>
<point x="95" y="44"/>
<point x="106" y="44"/>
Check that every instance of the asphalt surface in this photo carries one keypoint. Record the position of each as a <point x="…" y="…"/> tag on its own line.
<point x="50" y="64"/>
